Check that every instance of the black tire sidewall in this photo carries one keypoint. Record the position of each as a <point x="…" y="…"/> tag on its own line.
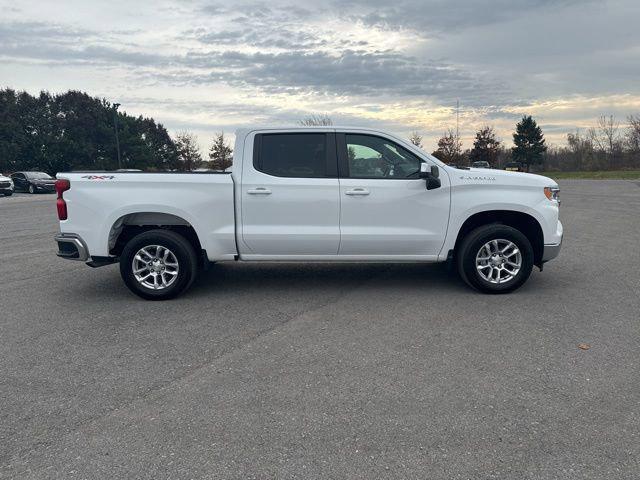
<point x="180" y="247"/>
<point x="472" y="244"/>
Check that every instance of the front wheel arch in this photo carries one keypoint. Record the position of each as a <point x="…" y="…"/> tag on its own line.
<point x="523" y="222"/>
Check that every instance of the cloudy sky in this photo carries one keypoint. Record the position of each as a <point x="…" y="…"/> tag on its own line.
<point x="401" y="65"/>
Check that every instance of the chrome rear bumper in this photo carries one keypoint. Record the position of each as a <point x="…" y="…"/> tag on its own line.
<point x="71" y="247"/>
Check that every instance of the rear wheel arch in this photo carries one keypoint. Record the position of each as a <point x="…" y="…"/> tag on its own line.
<point x="130" y="225"/>
<point x="523" y="222"/>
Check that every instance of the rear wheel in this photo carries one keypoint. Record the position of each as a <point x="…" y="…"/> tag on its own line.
<point x="158" y="264"/>
<point x="495" y="258"/>
<point x="32" y="189"/>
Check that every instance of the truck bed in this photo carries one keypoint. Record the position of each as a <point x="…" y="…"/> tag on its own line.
<point x="99" y="204"/>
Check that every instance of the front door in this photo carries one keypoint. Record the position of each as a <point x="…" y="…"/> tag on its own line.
<point x="386" y="210"/>
<point x="290" y="196"/>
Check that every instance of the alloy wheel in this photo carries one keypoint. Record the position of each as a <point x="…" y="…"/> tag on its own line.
<point x="155" y="267"/>
<point x="499" y="261"/>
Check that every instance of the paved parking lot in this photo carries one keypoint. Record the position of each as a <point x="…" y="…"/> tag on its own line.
<point x="325" y="371"/>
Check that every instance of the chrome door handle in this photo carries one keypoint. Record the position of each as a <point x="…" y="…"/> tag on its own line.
<point x="259" y="191"/>
<point x="357" y="191"/>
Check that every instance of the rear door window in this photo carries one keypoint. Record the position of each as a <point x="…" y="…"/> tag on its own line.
<point x="300" y="155"/>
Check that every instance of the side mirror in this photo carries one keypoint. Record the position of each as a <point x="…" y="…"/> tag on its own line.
<point x="430" y="173"/>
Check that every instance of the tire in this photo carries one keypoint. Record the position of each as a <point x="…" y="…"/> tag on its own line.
<point x="482" y="265"/>
<point x="32" y="189"/>
<point x="152" y="246"/>
<point x="8" y="193"/>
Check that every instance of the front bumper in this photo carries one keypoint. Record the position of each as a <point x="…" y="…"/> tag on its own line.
<point x="72" y="247"/>
<point x="552" y="249"/>
<point x="550" y="252"/>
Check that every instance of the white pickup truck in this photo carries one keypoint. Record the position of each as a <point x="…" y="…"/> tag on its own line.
<point x="309" y="195"/>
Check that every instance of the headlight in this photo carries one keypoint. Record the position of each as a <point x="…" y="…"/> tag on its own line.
<point x="552" y="193"/>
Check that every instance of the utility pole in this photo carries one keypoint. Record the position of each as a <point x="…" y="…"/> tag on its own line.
<point x="115" y="125"/>
<point x="457" y="118"/>
<point x="458" y="127"/>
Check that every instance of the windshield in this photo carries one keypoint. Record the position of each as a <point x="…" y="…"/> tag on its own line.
<point x="38" y="175"/>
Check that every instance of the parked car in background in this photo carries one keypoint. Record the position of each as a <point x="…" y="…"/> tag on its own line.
<point x="514" y="167"/>
<point x="481" y="164"/>
<point x="6" y="186"/>
<point x="33" y="182"/>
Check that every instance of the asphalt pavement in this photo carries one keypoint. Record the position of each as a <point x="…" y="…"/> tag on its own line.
<point x="325" y="371"/>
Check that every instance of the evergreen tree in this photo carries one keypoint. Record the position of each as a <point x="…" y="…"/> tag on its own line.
<point x="529" y="142"/>
<point x="220" y="154"/>
<point x="485" y="146"/>
<point x="189" y="157"/>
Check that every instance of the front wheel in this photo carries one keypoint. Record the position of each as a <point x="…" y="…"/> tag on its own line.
<point x="158" y="264"/>
<point x="495" y="258"/>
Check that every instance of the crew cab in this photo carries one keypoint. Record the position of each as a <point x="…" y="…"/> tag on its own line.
<point x="311" y="194"/>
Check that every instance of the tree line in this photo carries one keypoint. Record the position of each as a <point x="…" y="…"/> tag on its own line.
<point x="74" y="131"/>
<point x="606" y="146"/>
<point x="529" y="146"/>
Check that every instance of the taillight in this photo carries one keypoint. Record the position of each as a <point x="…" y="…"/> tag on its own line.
<point x="62" y="185"/>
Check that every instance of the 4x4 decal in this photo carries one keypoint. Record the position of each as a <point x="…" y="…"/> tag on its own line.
<point x="99" y="177"/>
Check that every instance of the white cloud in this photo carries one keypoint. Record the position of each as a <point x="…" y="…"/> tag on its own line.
<point x="209" y="66"/>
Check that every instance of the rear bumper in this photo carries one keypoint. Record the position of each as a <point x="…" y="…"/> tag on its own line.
<point x="72" y="247"/>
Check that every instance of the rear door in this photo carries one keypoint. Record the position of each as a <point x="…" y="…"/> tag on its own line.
<point x="290" y="195"/>
<point x="386" y="209"/>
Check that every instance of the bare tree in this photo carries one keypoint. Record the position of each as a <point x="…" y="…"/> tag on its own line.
<point x="581" y="149"/>
<point x="633" y="134"/>
<point x="317" y="120"/>
<point x="416" y="139"/>
<point x="605" y="137"/>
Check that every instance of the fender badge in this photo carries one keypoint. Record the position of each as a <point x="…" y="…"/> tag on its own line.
<point x="468" y="177"/>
